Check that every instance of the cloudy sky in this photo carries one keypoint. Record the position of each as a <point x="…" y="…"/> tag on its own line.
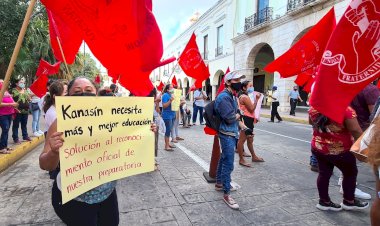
<point x="173" y="15"/>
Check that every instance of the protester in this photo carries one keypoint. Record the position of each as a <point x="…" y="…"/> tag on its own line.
<point x="174" y="132"/>
<point x="373" y="139"/>
<point x="7" y="109"/>
<point x="167" y="114"/>
<point x="185" y="113"/>
<point x="21" y="96"/>
<point x="363" y="104"/>
<point x="96" y="207"/>
<point x="199" y="103"/>
<point x="57" y="88"/>
<point x="227" y="110"/>
<point x="41" y="103"/>
<point x="275" y="97"/>
<point x="114" y="89"/>
<point x="293" y="98"/>
<point x="247" y="106"/>
<point x="331" y="145"/>
<point x="36" y="114"/>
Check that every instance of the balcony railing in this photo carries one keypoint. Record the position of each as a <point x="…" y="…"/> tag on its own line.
<point x="294" y="4"/>
<point x="218" y="51"/>
<point x="260" y="17"/>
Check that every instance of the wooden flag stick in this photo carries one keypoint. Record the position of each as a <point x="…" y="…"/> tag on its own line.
<point x="17" y="47"/>
<point x="169" y="80"/>
<point x="69" y="76"/>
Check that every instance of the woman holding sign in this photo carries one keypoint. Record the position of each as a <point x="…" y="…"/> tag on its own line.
<point x="98" y="206"/>
<point x="167" y="114"/>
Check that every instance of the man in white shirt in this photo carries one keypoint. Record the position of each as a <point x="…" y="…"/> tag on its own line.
<point x="275" y="103"/>
<point x="199" y="103"/>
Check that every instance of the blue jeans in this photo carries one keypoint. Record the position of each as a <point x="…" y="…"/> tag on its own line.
<point x="23" y="119"/>
<point x="5" y="123"/>
<point x="36" y="120"/>
<point x="168" y="126"/>
<point x="195" y="113"/>
<point x="226" y="161"/>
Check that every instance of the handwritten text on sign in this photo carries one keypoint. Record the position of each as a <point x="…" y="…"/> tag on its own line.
<point x="106" y="138"/>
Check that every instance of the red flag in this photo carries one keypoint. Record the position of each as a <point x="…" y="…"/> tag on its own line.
<point x="97" y="79"/>
<point x="161" y="86"/>
<point x="70" y="39"/>
<point x="346" y="68"/>
<point x="191" y="61"/>
<point x="117" y="32"/>
<point x="197" y="85"/>
<point x="174" y="81"/>
<point x="46" y="69"/>
<point x="39" y="86"/>
<point x="307" y="52"/>
<point x="222" y="86"/>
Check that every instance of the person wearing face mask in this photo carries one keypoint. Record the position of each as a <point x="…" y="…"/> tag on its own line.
<point x="96" y="207"/>
<point x="7" y="108"/>
<point x="167" y="114"/>
<point x="21" y="96"/>
<point x="247" y="106"/>
<point x="227" y="110"/>
<point x="199" y="103"/>
<point x="293" y="98"/>
<point x="275" y="103"/>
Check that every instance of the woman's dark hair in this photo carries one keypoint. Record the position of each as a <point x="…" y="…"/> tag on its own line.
<point x="152" y="93"/>
<point x="166" y="88"/>
<point x="243" y="85"/>
<point x="55" y="89"/>
<point x="321" y="123"/>
<point x="71" y="83"/>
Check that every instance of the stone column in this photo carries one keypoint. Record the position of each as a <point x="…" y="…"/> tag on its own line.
<point x="213" y="93"/>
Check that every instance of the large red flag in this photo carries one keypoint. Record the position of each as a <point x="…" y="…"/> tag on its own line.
<point x="123" y="35"/>
<point x="39" y="86"/>
<point x="69" y="37"/>
<point x="174" y="81"/>
<point x="197" y="85"/>
<point x="45" y="69"/>
<point x="306" y="54"/>
<point x="351" y="60"/>
<point x="222" y="86"/>
<point x="191" y="61"/>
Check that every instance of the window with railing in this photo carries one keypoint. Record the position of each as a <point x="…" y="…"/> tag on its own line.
<point x="294" y="4"/>
<point x="262" y="16"/>
<point x="219" y="41"/>
<point x="218" y="51"/>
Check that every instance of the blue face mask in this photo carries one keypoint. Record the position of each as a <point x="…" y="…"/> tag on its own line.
<point x="21" y="85"/>
<point x="251" y="89"/>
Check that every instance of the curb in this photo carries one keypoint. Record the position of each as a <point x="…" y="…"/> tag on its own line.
<point x="6" y="160"/>
<point x="288" y="119"/>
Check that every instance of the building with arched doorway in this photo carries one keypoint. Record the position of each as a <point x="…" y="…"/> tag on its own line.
<point x="214" y="31"/>
<point x="268" y="28"/>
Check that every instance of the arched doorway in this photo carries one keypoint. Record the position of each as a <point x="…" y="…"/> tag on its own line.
<point x="186" y="86"/>
<point x="208" y="88"/>
<point x="258" y="58"/>
<point x="217" y="80"/>
<point x="303" y="94"/>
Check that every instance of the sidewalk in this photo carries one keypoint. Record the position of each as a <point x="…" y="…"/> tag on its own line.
<point x="301" y="117"/>
<point x="22" y="149"/>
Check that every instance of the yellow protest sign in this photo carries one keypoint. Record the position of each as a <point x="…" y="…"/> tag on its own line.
<point x="106" y="138"/>
<point x="177" y="99"/>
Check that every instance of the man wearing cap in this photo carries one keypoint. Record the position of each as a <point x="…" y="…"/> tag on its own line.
<point x="226" y="108"/>
<point x="293" y="98"/>
<point x="275" y="104"/>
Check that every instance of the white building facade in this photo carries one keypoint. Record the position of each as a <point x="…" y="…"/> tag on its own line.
<point x="268" y="28"/>
<point x="214" y="31"/>
<point x="246" y="35"/>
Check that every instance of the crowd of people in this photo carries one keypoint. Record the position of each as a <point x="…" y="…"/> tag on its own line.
<point x="235" y="106"/>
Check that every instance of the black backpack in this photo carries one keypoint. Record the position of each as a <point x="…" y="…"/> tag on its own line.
<point x="211" y="117"/>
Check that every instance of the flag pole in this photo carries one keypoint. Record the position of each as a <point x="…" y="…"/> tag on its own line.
<point x="69" y="76"/>
<point x="169" y="80"/>
<point x="17" y="47"/>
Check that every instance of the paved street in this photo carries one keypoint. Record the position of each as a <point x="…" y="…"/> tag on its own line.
<point x="281" y="191"/>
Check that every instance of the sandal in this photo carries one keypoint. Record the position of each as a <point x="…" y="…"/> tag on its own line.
<point x="179" y="138"/>
<point x="174" y="141"/>
<point x="4" y="151"/>
<point x="258" y="160"/>
<point x="245" y="164"/>
<point x="168" y="149"/>
<point x="246" y="155"/>
<point x="171" y="146"/>
<point x="9" y="149"/>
